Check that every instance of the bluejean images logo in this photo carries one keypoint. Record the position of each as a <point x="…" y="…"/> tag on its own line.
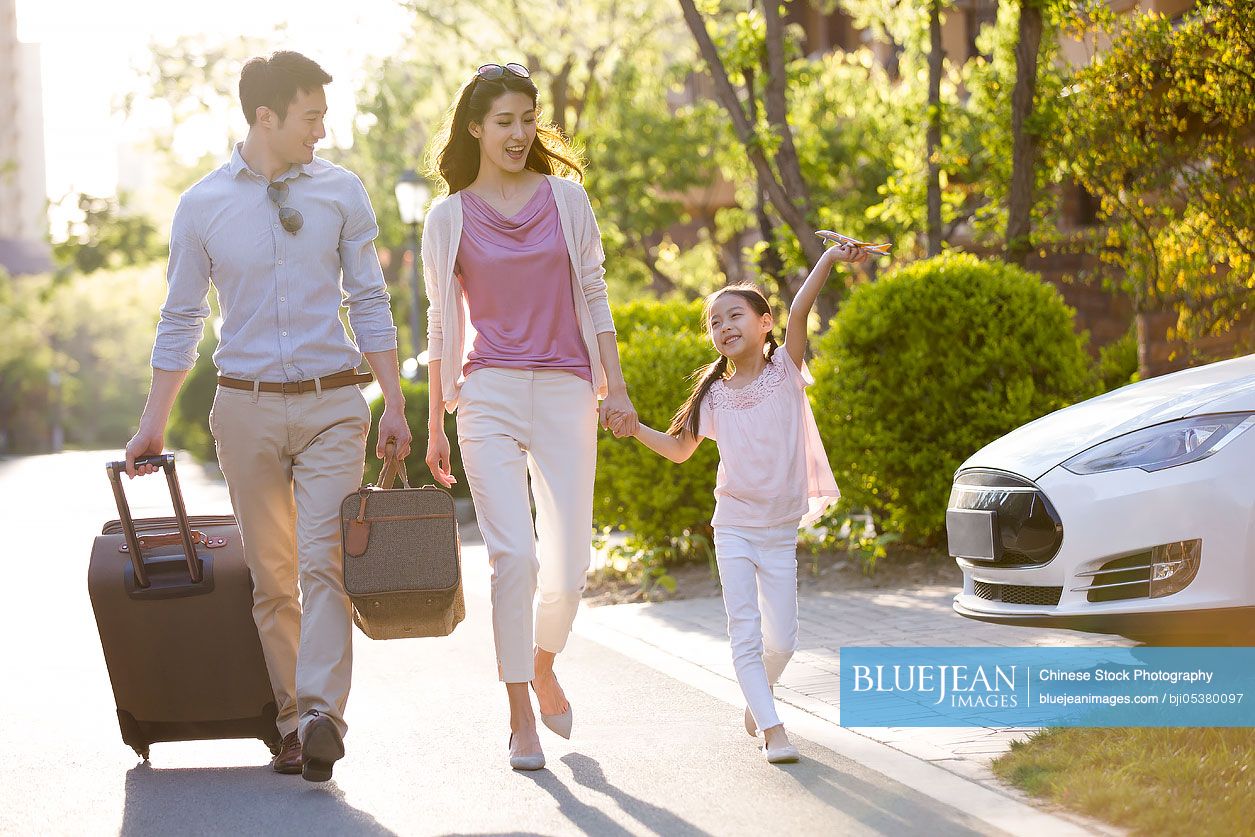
<point x="978" y="686"/>
<point x="936" y="687"/>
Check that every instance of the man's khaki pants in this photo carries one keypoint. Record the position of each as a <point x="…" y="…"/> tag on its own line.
<point x="289" y="461"/>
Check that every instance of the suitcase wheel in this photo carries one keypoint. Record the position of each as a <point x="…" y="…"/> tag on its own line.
<point x="142" y="752"/>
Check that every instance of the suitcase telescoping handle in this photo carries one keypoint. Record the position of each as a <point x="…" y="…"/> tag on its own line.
<point x="164" y="461"/>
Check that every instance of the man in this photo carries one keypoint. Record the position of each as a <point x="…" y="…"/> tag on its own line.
<point x="279" y="232"/>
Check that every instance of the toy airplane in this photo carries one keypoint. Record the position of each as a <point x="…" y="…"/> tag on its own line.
<point x="838" y="238"/>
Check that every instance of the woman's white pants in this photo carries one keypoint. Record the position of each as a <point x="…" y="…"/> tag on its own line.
<point x="758" y="571"/>
<point x="512" y="423"/>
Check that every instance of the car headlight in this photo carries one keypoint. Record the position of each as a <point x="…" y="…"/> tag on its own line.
<point x="1164" y="445"/>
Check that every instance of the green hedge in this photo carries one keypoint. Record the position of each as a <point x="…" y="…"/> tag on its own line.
<point x="924" y="367"/>
<point x="671" y="315"/>
<point x="1117" y="361"/>
<point x="661" y="345"/>
<point x="188" y="428"/>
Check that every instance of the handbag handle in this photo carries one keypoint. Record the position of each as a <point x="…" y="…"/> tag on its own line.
<point x="392" y="466"/>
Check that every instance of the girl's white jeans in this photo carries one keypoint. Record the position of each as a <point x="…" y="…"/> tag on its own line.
<point x="512" y="423"/>
<point x="758" y="571"/>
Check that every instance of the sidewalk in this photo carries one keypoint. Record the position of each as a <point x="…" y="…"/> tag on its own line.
<point x="693" y="631"/>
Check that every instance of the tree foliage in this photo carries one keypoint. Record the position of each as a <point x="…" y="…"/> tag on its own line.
<point x="76" y="349"/>
<point x="1161" y="132"/>
<point x="649" y="160"/>
<point x="108" y="237"/>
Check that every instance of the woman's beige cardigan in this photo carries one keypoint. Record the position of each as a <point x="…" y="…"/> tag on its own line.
<point x="449" y="331"/>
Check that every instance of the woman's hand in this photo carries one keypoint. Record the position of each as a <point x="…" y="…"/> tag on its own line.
<point x="618" y="415"/>
<point x="438" y="458"/>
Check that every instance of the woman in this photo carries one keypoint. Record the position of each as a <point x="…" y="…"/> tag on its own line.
<point x="522" y="345"/>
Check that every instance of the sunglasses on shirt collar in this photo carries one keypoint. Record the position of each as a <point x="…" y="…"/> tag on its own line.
<point x="290" y="218"/>
<point x="492" y="72"/>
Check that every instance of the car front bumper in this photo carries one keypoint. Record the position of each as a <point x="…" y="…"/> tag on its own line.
<point x="1121" y="515"/>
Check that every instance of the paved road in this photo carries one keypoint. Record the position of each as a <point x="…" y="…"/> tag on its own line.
<point x="427" y="744"/>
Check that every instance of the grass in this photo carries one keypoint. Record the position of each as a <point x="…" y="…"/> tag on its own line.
<point x="1161" y="781"/>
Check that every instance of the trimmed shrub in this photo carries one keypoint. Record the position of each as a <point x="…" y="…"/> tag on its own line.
<point x="660" y="346"/>
<point x="922" y="368"/>
<point x="1117" y="361"/>
<point x="415" y="393"/>
<point x="672" y="315"/>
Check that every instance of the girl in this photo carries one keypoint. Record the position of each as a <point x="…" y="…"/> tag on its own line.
<point x="521" y="345"/>
<point x="773" y="476"/>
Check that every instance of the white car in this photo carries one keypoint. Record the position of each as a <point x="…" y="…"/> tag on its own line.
<point x="1131" y="513"/>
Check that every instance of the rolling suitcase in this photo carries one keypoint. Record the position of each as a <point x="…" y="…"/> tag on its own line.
<point x="173" y="601"/>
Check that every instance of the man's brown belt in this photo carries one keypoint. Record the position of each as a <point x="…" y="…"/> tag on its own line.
<point x="340" y="379"/>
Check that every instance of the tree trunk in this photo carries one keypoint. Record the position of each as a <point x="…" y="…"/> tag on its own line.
<point x="1023" y="141"/>
<point x="769" y="263"/>
<point x="933" y="140"/>
<point x="789" y="212"/>
<point x="560" y="89"/>
<point x="776" y="103"/>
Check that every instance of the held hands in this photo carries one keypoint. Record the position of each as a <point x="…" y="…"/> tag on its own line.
<point x="618" y="415"/>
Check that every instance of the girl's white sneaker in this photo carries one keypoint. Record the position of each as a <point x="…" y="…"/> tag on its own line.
<point x="782" y="755"/>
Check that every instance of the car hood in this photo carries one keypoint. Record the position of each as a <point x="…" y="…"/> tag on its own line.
<point x="1040" y="445"/>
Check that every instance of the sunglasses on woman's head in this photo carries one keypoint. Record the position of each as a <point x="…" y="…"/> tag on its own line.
<point x="291" y="219"/>
<point x="492" y="72"/>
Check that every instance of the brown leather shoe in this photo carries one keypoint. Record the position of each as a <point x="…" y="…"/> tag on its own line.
<point x="323" y="748"/>
<point x="289" y="758"/>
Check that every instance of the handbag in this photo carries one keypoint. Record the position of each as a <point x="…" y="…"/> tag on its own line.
<point x="402" y="557"/>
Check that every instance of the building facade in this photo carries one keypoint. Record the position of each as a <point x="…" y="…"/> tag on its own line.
<point x="23" y="200"/>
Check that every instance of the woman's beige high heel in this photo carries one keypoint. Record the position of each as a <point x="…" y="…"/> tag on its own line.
<point x="535" y="761"/>
<point x="560" y="723"/>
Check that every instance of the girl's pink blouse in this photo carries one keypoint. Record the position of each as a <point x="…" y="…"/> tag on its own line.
<point x="772" y="465"/>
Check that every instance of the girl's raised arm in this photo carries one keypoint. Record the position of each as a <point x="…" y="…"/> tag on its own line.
<point x="800" y="311"/>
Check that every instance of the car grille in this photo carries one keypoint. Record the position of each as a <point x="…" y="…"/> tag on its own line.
<point x="1023" y="594"/>
<point x="1123" y="578"/>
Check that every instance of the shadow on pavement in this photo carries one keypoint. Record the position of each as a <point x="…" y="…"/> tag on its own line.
<point x="590" y="819"/>
<point x="885" y="811"/>
<point x="237" y="800"/>
<point x="587" y="772"/>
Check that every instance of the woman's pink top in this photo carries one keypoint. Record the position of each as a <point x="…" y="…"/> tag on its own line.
<point x="516" y="273"/>
<point x="772" y="466"/>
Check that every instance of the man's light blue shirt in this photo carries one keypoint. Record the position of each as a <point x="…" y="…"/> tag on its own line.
<point x="280" y="293"/>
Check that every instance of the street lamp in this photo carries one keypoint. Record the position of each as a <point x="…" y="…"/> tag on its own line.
<point x="412" y="193"/>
